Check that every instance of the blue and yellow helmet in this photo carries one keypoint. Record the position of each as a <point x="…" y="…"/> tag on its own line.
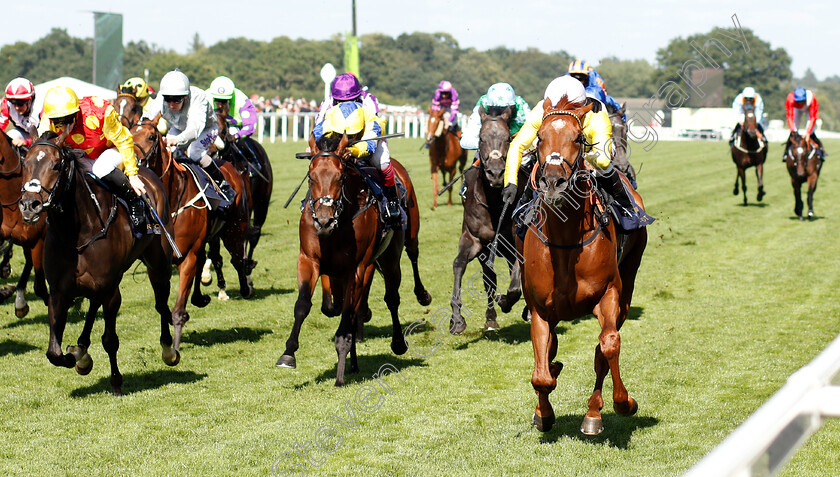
<point x="579" y="66"/>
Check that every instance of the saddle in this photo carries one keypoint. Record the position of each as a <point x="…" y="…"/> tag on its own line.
<point x="207" y="189"/>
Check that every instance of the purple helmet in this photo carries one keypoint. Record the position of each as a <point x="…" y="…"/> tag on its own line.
<point x="345" y="87"/>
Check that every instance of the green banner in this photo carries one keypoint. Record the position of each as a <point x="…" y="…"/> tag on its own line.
<point x="108" y="49"/>
<point x="351" y="55"/>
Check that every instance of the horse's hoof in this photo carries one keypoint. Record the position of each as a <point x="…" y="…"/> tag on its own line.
<point x="423" y="298"/>
<point x="117" y="392"/>
<point x="543" y="424"/>
<point x="248" y="292"/>
<point x="735" y="191"/>
<point x="555" y="368"/>
<point x="201" y="300"/>
<point x="456" y="328"/>
<point x="366" y="315"/>
<point x="801" y="219"/>
<point x="223" y="296"/>
<point x="21" y="312"/>
<point x="286" y="361"/>
<point x="206" y="276"/>
<point x="759" y="196"/>
<point x="171" y="357"/>
<point x="491" y="325"/>
<point x="84" y="363"/>
<point x="811" y="214"/>
<point x="627" y="411"/>
<point x="592" y="426"/>
<point x="399" y="347"/>
<point x="526" y="315"/>
<point x="504" y="304"/>
<point x="6" y="272"/>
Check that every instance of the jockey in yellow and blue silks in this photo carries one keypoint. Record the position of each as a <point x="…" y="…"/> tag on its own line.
<point x="597" y="131"/>
<point x="350" y="117"/>
<point x="594" y="84"/>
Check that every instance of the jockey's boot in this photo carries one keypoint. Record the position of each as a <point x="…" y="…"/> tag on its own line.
<point x="216" y="174"/>
<point x="122" y="188"/>
<point x="615" y="187"/>
<point x="392" y="211"/>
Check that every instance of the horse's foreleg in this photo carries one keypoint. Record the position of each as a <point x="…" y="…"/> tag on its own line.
<point x="543" y="379"/>
<point x="234" y="239"/>
<point x="21" y="306"/>
<point x="5" y="265"/>
<point x="392" y="276"/>
<point x="328" y="307"/>
<point x="468" y="249"/>
<point x="742" y="174"/>
<point x="812" y="187"/>
<point x="57" y="312"/>
<point x="797" y="195"/>
<point x="110" y="341"/>
<point x="40" y="286"/>
<point x="214" y="253"/>
<point x="346" y="328"/>
<point x="307" y="276"/>
<point x="447" y="181"/>
<point x="737" y="178"/>
<point x="412" y="249"/>
<point x="608" y="312"/>
<point x="759" y="175"/>
<point x="84" y="363"/>
<point x="159" y="271"/>
<point x="434" y="188"/>
<point x="198" y="299"/>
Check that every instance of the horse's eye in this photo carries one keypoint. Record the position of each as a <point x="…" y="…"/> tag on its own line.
<point x="57" y="166"/>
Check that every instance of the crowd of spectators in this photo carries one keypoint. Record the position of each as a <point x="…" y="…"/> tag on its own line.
<point x="287" y="105"/>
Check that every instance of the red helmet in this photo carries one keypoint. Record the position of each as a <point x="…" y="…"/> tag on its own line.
<point x="20" y="88"/>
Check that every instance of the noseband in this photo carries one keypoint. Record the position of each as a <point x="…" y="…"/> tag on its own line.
<point x="152" y="150"/>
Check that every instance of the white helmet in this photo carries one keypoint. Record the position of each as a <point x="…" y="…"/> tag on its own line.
<point x="749" y="92"/>
<point x="222" y="88"/>
<point x="565" y="86"/>
<point x="501" y="94"/>
<point x="175" y="83"/>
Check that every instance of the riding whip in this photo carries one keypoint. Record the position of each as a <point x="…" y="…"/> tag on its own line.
<point x="162" y="226"/>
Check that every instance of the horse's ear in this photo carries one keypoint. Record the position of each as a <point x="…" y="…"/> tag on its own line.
<point x="583" y="110"/>
<point x="312" y="146"/>
<point x="65" y="133"/>
<point x="547" y="106"/>
<point x="156" y="119"/>
<point x="623" y="108"/>
<point x="33" y="132"/>
<point x="508" y="112"/>
<point x="343" y="143"/>
<point x="482" y="113"/>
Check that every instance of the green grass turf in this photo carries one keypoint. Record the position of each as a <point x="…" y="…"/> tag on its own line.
<point x="730" y="300"/>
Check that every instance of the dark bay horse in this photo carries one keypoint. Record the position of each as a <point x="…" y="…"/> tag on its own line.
<point x="259" y="184"/>
<point x="803" y="165"/>
<point x="483" y="207"/>
<point x="445" y="153"/>
<point x="88" y="247"/>
<point x="748" y="150"/>
<point x="621" y="157"/>
<point x="574" y="266"/>
<point x="191" y="221"/>
<point x="30" y="237"/>
<point x="342" y="237"/>
<point x="128" y="109"/>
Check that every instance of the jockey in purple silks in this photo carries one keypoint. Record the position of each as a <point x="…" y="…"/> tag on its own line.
<point x="346" y="87"/>
<point x="446" y="98"/>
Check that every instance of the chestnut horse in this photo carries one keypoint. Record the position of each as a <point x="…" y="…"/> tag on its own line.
<point x="259" y="183"/>
<point x="128" y="109"/>
<point x="803" y="164"/>
<point x="342" y="237"/>
<point x="29" y="237"/>
<point x="747" y="151"/>
<point x="483" y="207"/>
<point x="445" y="153"/>
<point x="574" y="265"/>
<point x="88" y="247"/>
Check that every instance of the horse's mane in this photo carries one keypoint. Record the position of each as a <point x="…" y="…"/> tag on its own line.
<point x="611" y="109"/>
<point x="328" y="142"/>
<point x="496" y="110"/>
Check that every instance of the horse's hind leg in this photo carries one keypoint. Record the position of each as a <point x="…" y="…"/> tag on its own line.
<point x="742" y="174"/>
<point x="797" y="195"/>
<point x="514" y="291"/>
<point x="40" y="286"/>
<point x="329" y="307"/>
<point x="215" y="255"/>
<point x="159" y="270"/>
<point x="5" y="265"/>
<point x="434" y="187"/>
<point x="544" y="376"/>
<point x="412" y="249"/>
<point x="110" y="341"/>
<point x="759" y="175"/>
<point x="234" y="239"/>
<point x="346" y="328"/>
<point x="21" y="306"/>
<point x="198" y="299"/>
<point x="737" y="178"/>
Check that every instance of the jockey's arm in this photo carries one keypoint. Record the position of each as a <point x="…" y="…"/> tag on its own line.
<point x="813" y="115"/>
<point x="521" y="142"/>
<point x="789" y="113"/>
<point x="247" y="119"/>
<point x="366" y="147"/>
<point x="598" y="131"/>
<point x="119" y="135"/>
<point x="5" y="115"/>
<point x="469" y="138"/>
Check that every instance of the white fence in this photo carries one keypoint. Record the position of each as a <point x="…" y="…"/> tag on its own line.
<point x="297" y="126"/>
<point x="765" y="441"/>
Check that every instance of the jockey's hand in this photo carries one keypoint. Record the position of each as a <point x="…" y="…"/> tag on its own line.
<point x="813" y="143"/>
<point x="346" y="154"/>
<point x="171" y="141"/>
<point x="18" y="142"/>
<point x="230" y="138"/>
<point x="509" y="193"/>
<point x="137" y="184"/>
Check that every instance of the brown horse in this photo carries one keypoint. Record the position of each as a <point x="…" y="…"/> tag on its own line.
<point x="747" y="151"/>
<point x="574" y="265"/>
<point x="190" y="224"/>
<point x="128" y="109"/>
<point x="445" y="153"/>
<point x="483" y="207"/>
<point x="88" y="247"/>
<point x="30" y="237"/>
<point x="342" y="237"/>
<point x="259" y="184"/>
<point x="803" y="164"/>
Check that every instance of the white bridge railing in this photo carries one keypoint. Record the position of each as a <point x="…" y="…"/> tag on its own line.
<point x="297" y="126"/>
<point x="765" y="441"/>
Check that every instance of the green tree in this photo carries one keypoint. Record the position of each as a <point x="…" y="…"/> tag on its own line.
<point x="627" y="78"/>
<point x="55" y="55"/>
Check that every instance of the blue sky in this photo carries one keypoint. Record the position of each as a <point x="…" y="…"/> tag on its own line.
<point x="628" y="30"/>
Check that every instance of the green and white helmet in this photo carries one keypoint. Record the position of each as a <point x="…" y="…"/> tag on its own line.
<point x="222" y="88"/>
<point x="175" y="83"/>
<point x="501" y="94"/>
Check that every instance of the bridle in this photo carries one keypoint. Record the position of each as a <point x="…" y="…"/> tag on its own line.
<point x="122" y="108"/>
<point x="337" y="203"/>
<point x="795" y="157"/>
<point x="154" y="149"/>
<point x="575" y="171"/>
<point x="67" y="167"/>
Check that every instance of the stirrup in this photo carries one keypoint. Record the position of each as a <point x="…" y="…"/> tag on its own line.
<point x="392" y="212"/>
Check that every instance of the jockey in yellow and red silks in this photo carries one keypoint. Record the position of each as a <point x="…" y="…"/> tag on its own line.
<point x="95" y="128"/>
